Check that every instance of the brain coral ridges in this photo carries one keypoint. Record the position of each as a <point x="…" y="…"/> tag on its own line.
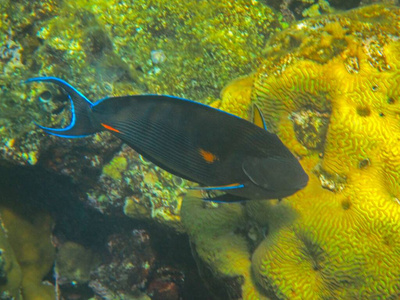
<point x="329" y="87"/>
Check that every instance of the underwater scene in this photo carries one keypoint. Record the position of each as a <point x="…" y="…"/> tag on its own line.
<point x="179" y="150"/>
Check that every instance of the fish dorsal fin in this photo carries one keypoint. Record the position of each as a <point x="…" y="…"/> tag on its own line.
<point x="258" y="118"/>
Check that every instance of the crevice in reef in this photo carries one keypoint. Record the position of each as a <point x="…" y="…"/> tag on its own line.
<point x="26" y="190"/>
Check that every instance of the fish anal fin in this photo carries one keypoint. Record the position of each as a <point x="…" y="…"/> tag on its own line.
<point x="219" y="188"/>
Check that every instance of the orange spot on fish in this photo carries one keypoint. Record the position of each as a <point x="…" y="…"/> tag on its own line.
<point x="109" y="127"/>
<point x="208" y="156"/>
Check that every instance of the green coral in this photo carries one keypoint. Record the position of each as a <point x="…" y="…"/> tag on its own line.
<point x="115" y="168"/>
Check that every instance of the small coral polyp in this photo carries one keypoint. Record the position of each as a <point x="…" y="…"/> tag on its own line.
<point x="330" y="89"/>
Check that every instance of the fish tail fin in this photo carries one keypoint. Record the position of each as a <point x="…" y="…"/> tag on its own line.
<point x="81" y="124"/>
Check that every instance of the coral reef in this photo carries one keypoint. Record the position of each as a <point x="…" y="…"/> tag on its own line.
<point x="188" y="49"/>
<point x="131" y="259"/>
<point x="74" y="263"/>
<point x="131" y="185"/>
<point x="124" y="40"/>
<point x="28" y="254"/>
<point x="215" y="231"/>
<point x="10" y="275"/>
<point x="329" y="87"/>
<point x="132" y="270"/>
<point x="92" y="248"/>
<point x="122" y="51"/>
<point x="17" y="43"/>
<point x="166" y="284"/>
<point x="301" y="9"/>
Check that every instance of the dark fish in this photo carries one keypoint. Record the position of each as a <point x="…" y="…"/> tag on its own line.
<point x="216" y="149"/>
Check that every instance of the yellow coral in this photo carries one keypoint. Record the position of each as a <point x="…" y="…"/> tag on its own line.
<point x="330" y="88"/>
<point x="213" y="232"/>
<point x="30" y="239"/>
<point x="237" y="97"/>
<point x="10" y="270"/>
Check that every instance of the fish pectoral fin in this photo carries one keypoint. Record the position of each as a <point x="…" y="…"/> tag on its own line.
<point x="218" y="188"/>
<point x="257" y="170"/>
<point x="258" y="118"/>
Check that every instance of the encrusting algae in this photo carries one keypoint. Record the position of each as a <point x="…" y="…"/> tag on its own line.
<point x="329" y="87"/>
<point x="141" y="190"/>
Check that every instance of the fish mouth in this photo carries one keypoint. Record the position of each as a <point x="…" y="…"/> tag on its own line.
<point x="293" y="188"/>
<point x="304" y="182"/>
<point x="290" y="190"/>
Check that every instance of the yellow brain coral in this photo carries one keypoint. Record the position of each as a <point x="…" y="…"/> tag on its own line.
<point x="329" y="87"/>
